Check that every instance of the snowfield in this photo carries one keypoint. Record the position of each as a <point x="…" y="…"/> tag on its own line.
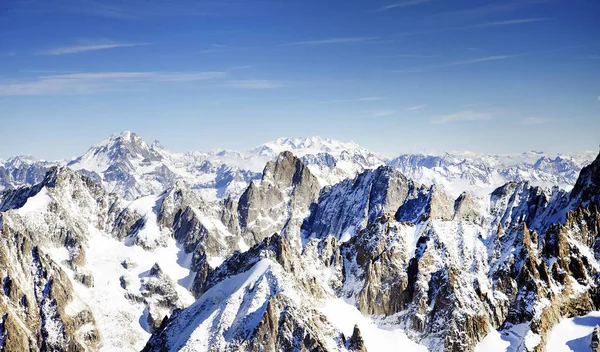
<point x="344" y="316"/>
<point x="569" y="335"/>
<point x="573" y="334"/>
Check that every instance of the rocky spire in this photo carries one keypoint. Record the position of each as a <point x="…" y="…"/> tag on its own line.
<point x="595" y="343"/>
<point x="356" y="343"/>
<point x="279" y="201"/>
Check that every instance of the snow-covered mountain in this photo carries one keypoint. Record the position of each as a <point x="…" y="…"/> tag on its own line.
<point x="480" y="173"/>
<point x="129" y="166"/>
<point x="23" y="170"/>
<point x="329" y="160"/>
<point x="388" y="263"/>
<point x="131" y="247"/>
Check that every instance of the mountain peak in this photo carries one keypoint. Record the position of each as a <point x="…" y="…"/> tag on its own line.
<point x="120" y="148"/>
<point x="18" y="160"/>
<point x="125" y="136"/>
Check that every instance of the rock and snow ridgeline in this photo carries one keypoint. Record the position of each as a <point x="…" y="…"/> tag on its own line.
<point x="374" y="262"/>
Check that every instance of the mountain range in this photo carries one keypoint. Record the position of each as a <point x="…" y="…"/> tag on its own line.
<point x="125" y="164"/>
<point x="300" y="244"/>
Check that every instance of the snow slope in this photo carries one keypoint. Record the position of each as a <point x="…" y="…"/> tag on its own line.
<point x="120" y="320"/>
<point x="344" y="316"/>
<point x="573" y="334"/>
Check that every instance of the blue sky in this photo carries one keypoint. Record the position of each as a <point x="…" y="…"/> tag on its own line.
<point x="394" y="76"/>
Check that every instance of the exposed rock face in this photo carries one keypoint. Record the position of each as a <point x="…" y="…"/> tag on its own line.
<point x="279" y="202"/>
<point x="356" y="343"/>
<point x="195" y="223"/>
<point x="44" y="242"/>
<point x="595" y="343"/>
<point x="452" y="281"/>
<point x="36" y="292"/>
<point x="347" y="207"/>
<point x="160" y="294"/>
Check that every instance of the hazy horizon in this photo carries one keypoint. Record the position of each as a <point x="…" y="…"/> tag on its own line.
<point x="384" y="153"/>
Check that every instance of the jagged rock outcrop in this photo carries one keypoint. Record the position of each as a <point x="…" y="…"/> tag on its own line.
<point x="160" y="296"/>
<point x="587" y="187"/>
<point x="356" y="343"/>
<point x="35" y="298"/>
<point x="279" y="202"/>
<point x="347" y="207"/>
<point x="595" y="343"/>
<point x="471" y="271"/>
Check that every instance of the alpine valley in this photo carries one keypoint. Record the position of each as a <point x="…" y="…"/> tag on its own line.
<point x="300" y="244"/>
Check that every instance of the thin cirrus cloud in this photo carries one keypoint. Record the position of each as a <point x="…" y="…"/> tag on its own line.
<point x="404" y="56"/>
<point x="462" y="116"/>
<point x="416" y="107"/>
<point x="483" y="10"/>
<point x="445" y="29"/>
<point x="356" y="100"/>
<point x="382" y="113"/>
<point x="514" y="21"/>
<point x="455" y="63"/>
<point x="95" y="82"/>
<point x="252" y="84"/>
<point x="121" y="10"/>
<point x="402" y="4"/>
<point x="331" y="41"/>
<point x="536" y="120"/>
<point x="89" y="46"/>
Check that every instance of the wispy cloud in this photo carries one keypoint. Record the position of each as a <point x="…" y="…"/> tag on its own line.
<point x="416" y="107"/>
<point x="479" y="59"/>
<point x="513" y="22"/>
<point x="89" y="46"/>
<point x="536" y="120"/>
<point x="215" y="48"/>
<point x="94" y="82"/>
<point x="403" y="56"/>
<point x="382" y="113"/>
<point x="356" y="100"/>
<point x="463" y="27"/>
<point x="463" y="116"/>
<point x="402" y="4"/>
<point x="252" y="84"/>
<point x="122" y="10"/>
<point x="484" y="10"/>
<point x="456" y="63"/>
<point x="332" y="41"/>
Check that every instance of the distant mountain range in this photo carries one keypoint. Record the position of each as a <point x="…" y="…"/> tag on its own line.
<point x="127" y="165"/>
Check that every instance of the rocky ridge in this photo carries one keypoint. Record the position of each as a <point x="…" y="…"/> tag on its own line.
<point x="270" y="266"/>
